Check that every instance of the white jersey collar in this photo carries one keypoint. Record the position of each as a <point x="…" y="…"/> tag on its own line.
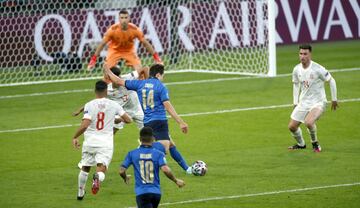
<point x="310" y="65"/>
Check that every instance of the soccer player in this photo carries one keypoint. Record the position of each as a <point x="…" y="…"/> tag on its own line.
<point x="147" y="162"/>
<point x="127" y="99"/>
<point x="97" y="127"/>
<point x="309" y="77"/>
<point x="155" y="101"/>
<point x="120" y="38"/>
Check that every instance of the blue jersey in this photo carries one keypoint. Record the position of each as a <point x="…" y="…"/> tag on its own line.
<point x="159" y="146"/>
<point x="147" y="162"/>
<point x="152" y="93"/>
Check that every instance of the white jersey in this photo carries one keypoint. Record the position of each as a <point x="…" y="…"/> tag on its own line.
<point x="311" y="82"/>
<point x="119" y="95"/>
<point x="101" y="112"/>
<point x="128" y="99"/>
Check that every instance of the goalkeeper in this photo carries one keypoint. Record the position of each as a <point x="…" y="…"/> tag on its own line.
<point x="120" y="38"/>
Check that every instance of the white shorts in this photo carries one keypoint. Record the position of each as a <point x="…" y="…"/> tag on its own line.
<point x="91" y="156"/>
<point x="137" y="118"/>
<point x="300" y="112"/>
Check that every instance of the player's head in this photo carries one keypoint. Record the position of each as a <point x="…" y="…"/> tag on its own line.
<point x="305" y="47"/>
<point x="305" y="53"/>
<point x="124" y="17"/>
<point x="146" y="135"/>
<point x="117" y="71"/>
<point x="101" y="88"/>
<point x="157" y="70"/>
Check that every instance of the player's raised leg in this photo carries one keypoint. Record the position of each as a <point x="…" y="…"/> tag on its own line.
<point x="175" y="154"/>
<point x="103" y="159"/>
<point x="98" y="177"/>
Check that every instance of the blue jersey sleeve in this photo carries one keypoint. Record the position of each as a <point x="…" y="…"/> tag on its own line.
<point x="164" y="94"/>
<point x="132" y="84"/>
<point x="127" y="162"/>
<point x="162" y="159"/>
<point x="159" y="146"/>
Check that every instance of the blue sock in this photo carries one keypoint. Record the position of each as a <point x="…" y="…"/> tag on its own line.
<point x="175" y="154"/>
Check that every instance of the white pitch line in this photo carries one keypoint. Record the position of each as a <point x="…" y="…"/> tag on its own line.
<point x="39" y="128"/>
<point x="237" y="110"/>
<point x="168" y="84"/>
<point x="256" y="108"/>
<point x="259" y="194"/>
<point x="183" y="115"/>
<point x="44" y="93"/>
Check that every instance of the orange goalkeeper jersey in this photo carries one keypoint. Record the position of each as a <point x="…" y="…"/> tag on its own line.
<point x="123" y="41"/>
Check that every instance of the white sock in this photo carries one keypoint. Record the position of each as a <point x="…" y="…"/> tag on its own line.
<point x="101" y="176"/>
<point x="83" y="176"/>
<point x="313" y="134"/>
<point x="298" y="137"/>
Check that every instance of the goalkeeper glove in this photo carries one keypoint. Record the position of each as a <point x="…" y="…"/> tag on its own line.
<point x="92" y="63"/>
<point x="157" y="58"/>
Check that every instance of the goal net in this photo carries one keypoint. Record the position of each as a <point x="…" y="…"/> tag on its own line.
<point x="53" y="40"/>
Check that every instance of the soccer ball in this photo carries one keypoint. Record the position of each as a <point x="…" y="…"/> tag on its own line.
<point x="199" y="168"/>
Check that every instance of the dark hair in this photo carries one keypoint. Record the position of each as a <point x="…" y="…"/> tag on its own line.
<point x="146" y="134"/>
<point x="305" y="46"/>
<point x="116" y="70"/>
<point x="123" y="11"/>
<point x="157" y="68"/>
<point x="100" y="86"/>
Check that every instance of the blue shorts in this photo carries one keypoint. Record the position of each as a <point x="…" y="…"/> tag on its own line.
<point x="149" y="200"/>
<point x="160" y="129"/>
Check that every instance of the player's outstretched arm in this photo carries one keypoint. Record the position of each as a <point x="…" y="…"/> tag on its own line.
<point x="144" y="72"/>
<point x="93" y="58"/>
<point x="112" y="76"/>
<point x="124" y="176"/>
<point x="83" y="126"/>
<point x="76" y="113"/>
<point x="151" y="50"/>
<point x="125" y="118"/>
<point x="171" y="110"/>
<point x="167" y="171"/>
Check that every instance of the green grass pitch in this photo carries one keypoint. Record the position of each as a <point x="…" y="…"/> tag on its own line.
<point x="245" y="150"/>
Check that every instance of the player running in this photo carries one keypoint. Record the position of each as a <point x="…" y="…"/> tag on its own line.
<point x="127" y="99"/>
<point x="155" y="102"/>
<point x="97" y="126"/>
<point x="147" y="162"/>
